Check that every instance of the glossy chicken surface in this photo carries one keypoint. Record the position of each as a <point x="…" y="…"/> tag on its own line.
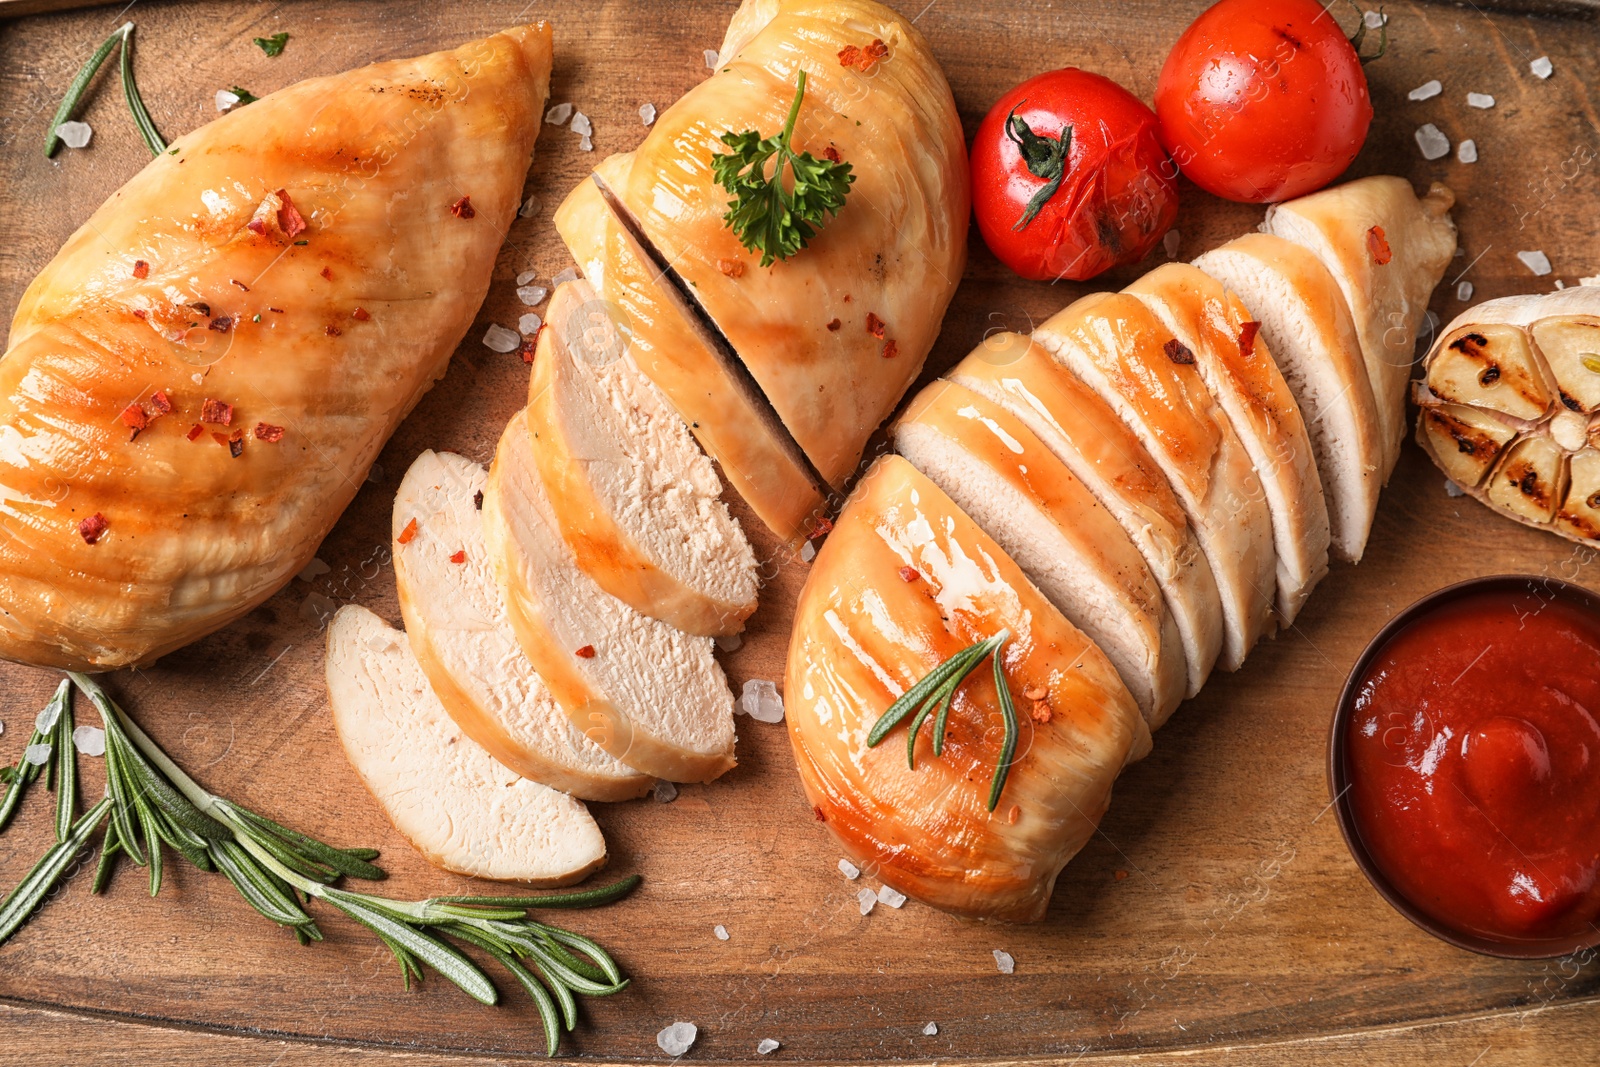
<point x="904" y="581"/>
<point x="197" y="384"/>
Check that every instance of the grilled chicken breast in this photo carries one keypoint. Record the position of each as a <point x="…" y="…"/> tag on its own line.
<point x="904" y="581"/>
<point x="196" y="385"/>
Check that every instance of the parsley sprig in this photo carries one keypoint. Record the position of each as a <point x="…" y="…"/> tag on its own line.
<point x="766" y="216"/>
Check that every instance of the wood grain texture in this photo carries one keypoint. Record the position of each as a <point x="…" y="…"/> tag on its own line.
<point x="1216" y="910"/>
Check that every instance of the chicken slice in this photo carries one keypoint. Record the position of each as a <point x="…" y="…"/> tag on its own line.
<point x="637" y="502"/>
<point x="1118" y="347"/>
<point x="267" y="302"/>
<point x="1239" y="371"/>
<point x="647" y="693"/>
<point x="1017" y="373"/>
<point x="1387" y="249"/>
<point x="998" y="472"/>
<point x="460" y="808"/>
<point x="866" y="630"/>
<point x="456" y="621"/>
<point x="1306" y="325"/>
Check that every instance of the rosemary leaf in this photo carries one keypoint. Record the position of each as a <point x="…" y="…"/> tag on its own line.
<point x="578" y="898"/>
<point x="80" y="84"/>
<point x="602" y="959"/>
<point x="253" y="883"/>
<point x="25" y="773"/>
<point x="66" y="757"/>
<point x="1008" y="715"/>
<point x="109" y="848"/>
<point x="141" y="116"/>
<point x="913" y="697"/>
<point x="532" y="986"/>
<point x="436" y="954"/>
<point x="352" y="862"/>
<point x="37" y="883"/>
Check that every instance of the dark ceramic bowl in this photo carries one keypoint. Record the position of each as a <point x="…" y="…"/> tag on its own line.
<point x="1339" y="776"/>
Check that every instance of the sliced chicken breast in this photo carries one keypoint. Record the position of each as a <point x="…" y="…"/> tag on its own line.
<point x="1387" y="249"/>
<point x="998" y="472"/>
<point x="637" y="502"/>
<point x="1306" y="325"/>
<point x="1236" y="367"/>
<point x="460" y="808"/>
<point x="864" y="634"/>
<point x="647" y="693"/>
<point x="1017" y="373"/>
<point x="456" y="622"/>
<point x="1120" y="349"/>
<point x="718" y="400"/>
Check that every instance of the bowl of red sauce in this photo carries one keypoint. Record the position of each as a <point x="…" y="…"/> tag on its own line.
<point x="1464" y="765"/>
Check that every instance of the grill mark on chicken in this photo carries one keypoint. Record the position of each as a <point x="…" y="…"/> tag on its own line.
<point x="688" y="305"/>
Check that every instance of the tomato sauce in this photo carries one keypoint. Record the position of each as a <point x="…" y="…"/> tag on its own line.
<point x="1473" y="755"/>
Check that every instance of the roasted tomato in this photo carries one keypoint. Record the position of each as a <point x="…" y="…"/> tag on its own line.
<point x="1069" y="178"/>
<point x="1264" y="99"/>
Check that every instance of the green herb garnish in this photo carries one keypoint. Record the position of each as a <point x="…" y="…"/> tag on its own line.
<point x="272" y="46"/>
<point x="933" y="694"/>
<point x="245" y="96"/>
<point x="80" y="85"/>
<point x="141" y="116"/>
<point x="1044" y="156"/>
<point x="764" y="215"/>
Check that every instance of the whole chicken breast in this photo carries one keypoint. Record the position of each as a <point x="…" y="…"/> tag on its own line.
<point x="197" y="384"/>
<point x="904" y="581"/>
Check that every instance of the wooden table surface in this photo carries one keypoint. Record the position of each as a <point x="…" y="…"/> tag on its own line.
<point x="1217" y="911"/>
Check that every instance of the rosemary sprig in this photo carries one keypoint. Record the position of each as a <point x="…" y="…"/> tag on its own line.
<point x="37" y="883"/>
<point x="66" y="763"/>
<point x="80" y="85"/>
<point x="933" y="693"/>
<point x="17" y="778"/>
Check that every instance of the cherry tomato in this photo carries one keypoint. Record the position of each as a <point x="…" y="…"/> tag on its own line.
<point x="1263" y="100"/>
<point x="1069" y="178"/>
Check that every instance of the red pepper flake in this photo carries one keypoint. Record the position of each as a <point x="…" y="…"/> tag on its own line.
<point x="1378" y="245"/>
<point x="141" y="269"/>
<point x="91" y="528"/>
<point x="195" y="431"/>
<point x="241" y="285"/>
<point x="360" y="315"/>
<point x="1119" y="875"/>
<point x="733" y="268"/>
<point x="215" y="411"/>
<point x="408" y="533"/>
<point x="256" y="226"/>
<point x="586" y="652"/>
<point x="266" y="431"/>
<point x="528" y="347"/>
<point x="1247" y="338"/>
<point x="874" y="325"/>
<point x="458" y="556"/>
<point x="236" y="444"/>
<point x="133" y="415"/>
<point x="289" y="217"/>
<point x="849" y="55"/>
<point x="909" y="574"/>
<point x="222" y="324"/>
<point x="872" y="53"/>
<point x="202" y="307"/>
<point x="161" y="403"/>
<point x="824" y="526"/>
<point x="332" y="331"/>
<point x="276" y="311"/>
<point x="891" y="348"/>
<point x="463" y="209"/>
<point x="832" y="154"/>
<point x="327" y="273"/>
<point x="1178" y="352"/>
<point x="1013" y="813"/>
<point x="821" y="815"/>
<point x="847" y="298"/>
<point x="140" y="313"/>
<point x="834" y="325"/>
<point x="477" y="500"/>
<point x="1040" y="712"/>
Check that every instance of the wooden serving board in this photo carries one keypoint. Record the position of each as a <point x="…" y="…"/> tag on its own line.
<point x="1216" y="909"/>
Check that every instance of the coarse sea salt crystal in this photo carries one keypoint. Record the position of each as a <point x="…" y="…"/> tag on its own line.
<point x="729" y="642"/>
<point x="711" y="58"/>
<point x="37" y="754"/>
<point x="868" y="900"/>
<point x="1432" y="141"/>
<point x="1170" y="241"/>
<point x="585" y="144"/>
<point x="529" y="206"/>
<point x="532" y="295"/>
<point x="1374" y="19"/>
<point x="500" y="339"/>
<point x="721" y="932"/>
<point x="1003" y="960"/>
<point x="567" y="275"/>
<point x="1426" y="91"/>
<point x="890" y="896"/>
<point x="529" y="324"/>
<point x="313" y="570"/>
<point x="77" y="134"/>
<point x="1452" y="489"/>
<point x="558" y="115"/>
<point x="760" y="701"/>
<point x="931" y="1029"/>
<point x="1481" y="101"/>
<point x="647" y="114"/>
<point x="2" y="728"/>
<point x="45" y="721"/>
<point x="581" y="124"/>
<point x="676" y="1039"/>
<point x="1467" y="151"/>
<point x="767" y="1046"/>
<point x="527" y="276"/>
<point x="226" y="101"/>
<point x="808" y="552"/>
<point x="665" y="791"/>
<point x="1560" y="284"/>
<point x="1464" y="291"/>
<point x="1535" y="261"/>
<point x="849" y="870"/>
<point x="1542" y="67"/>
<point x="90" y="740"/>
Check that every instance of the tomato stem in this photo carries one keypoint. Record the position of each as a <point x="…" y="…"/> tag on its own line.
<point x="1360" y="36"/>
<point x="1044" y="156"/>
